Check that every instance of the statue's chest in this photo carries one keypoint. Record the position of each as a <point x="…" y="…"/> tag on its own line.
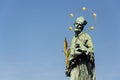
<point x="80" y="39"/>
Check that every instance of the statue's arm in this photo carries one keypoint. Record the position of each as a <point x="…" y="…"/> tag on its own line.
<point x="71" y="49"/>
<point x="87" y="45"/>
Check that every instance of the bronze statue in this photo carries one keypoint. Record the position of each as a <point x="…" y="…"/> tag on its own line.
<point x="80" y="63"/>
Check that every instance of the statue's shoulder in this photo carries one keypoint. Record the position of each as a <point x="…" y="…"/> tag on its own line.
<point x="85" y="35"/>
<point x="73" y="39"/>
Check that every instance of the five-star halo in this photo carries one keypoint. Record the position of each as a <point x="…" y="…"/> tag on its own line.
<point x="84" y="9"/>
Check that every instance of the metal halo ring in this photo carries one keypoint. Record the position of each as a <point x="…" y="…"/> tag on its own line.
<point x="83" y="9"/>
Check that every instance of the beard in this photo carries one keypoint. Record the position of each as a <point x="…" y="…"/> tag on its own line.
<point x="77" y="32"/>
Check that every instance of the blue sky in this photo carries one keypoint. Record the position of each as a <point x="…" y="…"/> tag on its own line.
<point x="32" y="34"/>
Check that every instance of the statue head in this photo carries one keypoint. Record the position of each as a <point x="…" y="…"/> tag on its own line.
<point x="79" y="25"/>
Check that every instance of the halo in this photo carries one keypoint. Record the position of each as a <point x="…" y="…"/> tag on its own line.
<point x="72" y="14"/>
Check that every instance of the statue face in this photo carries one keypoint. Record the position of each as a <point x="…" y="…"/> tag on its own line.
<point x="78" y="27"/>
